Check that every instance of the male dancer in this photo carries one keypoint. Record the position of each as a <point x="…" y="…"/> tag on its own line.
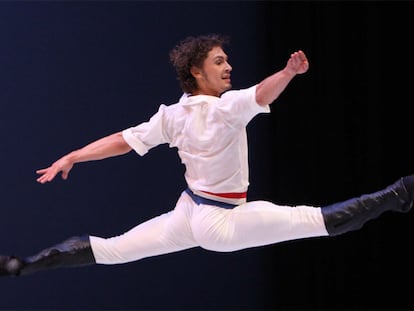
<point x="208" y="127"/>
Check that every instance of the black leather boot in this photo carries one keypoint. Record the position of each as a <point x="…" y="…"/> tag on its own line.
<point x="354" y="213"/>
<point x="73" y="252"/>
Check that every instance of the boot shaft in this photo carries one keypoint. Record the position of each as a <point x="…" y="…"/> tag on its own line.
<point x="73" y="252"/>
<point x="352" y="214"/>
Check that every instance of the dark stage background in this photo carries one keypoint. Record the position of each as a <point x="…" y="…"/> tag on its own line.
<point x="74" y="71"/>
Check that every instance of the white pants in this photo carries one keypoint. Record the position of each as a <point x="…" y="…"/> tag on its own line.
<point x="214" y="228"/>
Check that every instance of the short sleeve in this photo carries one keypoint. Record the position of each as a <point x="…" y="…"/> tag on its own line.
<point x="239" y="107"/>
<point x="148" y="134"/>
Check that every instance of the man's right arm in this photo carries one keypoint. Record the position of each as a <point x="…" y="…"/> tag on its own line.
<point x="109" y="146"/>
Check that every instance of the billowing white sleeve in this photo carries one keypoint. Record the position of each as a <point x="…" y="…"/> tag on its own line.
<point x="239" y="107"/>
<point x="146" y="135"/>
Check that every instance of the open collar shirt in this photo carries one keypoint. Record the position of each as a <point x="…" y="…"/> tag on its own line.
<point x="210" y="135"/>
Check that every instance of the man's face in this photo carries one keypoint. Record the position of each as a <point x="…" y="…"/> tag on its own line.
<point x="214" y="77"/>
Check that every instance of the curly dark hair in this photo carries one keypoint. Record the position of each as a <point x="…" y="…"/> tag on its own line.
<point x="192" y="51"/>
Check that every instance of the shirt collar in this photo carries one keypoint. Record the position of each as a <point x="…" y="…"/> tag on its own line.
<point x="187" y="99"/>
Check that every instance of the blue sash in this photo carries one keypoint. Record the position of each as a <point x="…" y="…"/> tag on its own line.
<point x="200" y="200"/>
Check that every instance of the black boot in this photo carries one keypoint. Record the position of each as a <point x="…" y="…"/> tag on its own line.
<point x="73" y="252"/>
<point x="352" y="214"/>
<point x="10" y="265"/>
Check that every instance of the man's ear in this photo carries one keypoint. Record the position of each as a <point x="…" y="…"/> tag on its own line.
<point x="195" y="71"/>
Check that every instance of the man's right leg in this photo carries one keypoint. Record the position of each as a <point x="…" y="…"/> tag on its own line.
<point x="73" y="252"/>
<point x="164" y="234"/>
<point x="167" y="233"/>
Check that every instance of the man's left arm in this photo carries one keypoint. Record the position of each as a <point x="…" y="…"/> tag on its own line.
<point x="270" y="88"/>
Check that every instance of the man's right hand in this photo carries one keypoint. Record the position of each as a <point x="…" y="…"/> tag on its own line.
<point x="48" y="174"/>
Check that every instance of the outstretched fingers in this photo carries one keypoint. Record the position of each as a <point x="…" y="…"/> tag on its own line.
<point x="48" y="174"/>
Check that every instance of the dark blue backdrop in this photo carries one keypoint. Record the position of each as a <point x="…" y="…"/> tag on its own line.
<point x="74" y="71"/>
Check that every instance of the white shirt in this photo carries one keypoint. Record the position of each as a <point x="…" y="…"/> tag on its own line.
<point x="210" y="134"/>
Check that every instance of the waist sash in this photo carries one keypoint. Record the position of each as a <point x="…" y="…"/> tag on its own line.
<point x="200" y="200"/>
